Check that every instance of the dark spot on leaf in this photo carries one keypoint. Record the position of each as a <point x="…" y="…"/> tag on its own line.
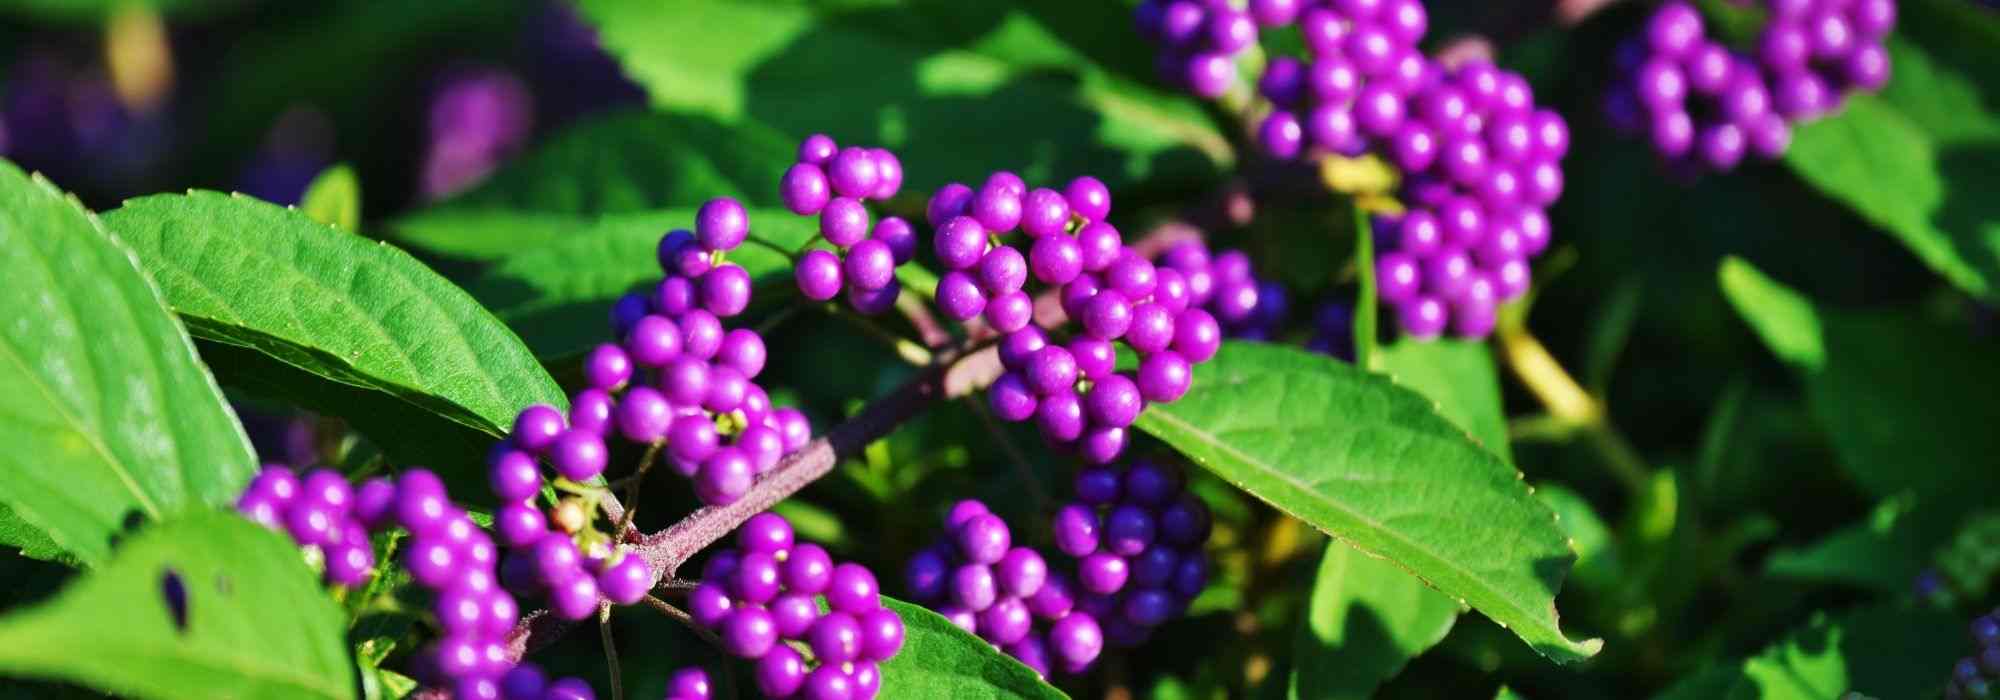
<point x="175" y="594"/>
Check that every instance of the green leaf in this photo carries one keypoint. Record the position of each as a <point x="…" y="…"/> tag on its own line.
<point x="254" y="622"/>
<point x="1366" y="342"/>
<point x="108" y="414"/>
<point x="84" y="11"/>
<point x="1597" y="561"/>
<point x="624" y="163"/>
<point x="958" y="89"/>
<point x="341" y="307"/>
<point x="1916" y="158"/>
<point x="559" y="296"/>
<point x="334" y="198"/>
<point x="1898" y="425"/>
<point x="1881" y="651"/>
<point x="406" y="433"/>
<point x="29" y="540"/>
<point x="1883" y="553"/>
<point x="1506" y="693"/>
<point x="939" y="660"/>
<point x="1459" y="376"/>
<point x="1366" y="620"/>
<point x="1375" y="466"/>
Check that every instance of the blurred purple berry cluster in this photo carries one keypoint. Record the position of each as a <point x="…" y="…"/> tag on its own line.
<point x="679" y="378"/>
<point x="1137" y="537"/>
<point x="765" y="596"/>
<point x="976" y="577"/>
<point x="446" y="554"/>
<point x="1704" y="105"/>
<point x="1974" y="676"/>
<point x="836" y="185"/>
<point x="478" y="117"/>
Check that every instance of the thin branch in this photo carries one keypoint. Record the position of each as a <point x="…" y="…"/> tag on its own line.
<point x="909" y="350"/>
<point x="1015" y="457"/>
<point x="920" y="317"/>
<point x="1568" y="402"/>
<point x="685" y="619"/>
<point x="610" y="651"/>
<point x="632" y="491"/>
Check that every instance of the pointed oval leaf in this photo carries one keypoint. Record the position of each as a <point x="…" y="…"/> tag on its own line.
<point x="107" y="412"/>
<point x="1366" y="619"/>
<point x="1459" y="375"/>
<point x="334" y="198"/>
<point x="939" y="660"/>
<point x="560" y="295"/>
<point x="342" y="307"/>
<point x="1922" y="427"/>
<point x="1375" y="466"/>
<point x="623" y="163"/>
<point x="208" y="605"/>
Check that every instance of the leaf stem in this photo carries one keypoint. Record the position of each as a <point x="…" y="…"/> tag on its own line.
<point x="610" y="651"/>
<point x="1568" y="403"/>
<point x="684" y="618"/>
<point x="632" y="490"/>
<point x="908" y="350"/>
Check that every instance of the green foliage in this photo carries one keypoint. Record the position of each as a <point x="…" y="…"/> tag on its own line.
<point x="1367" y="618"/>
<point x="1459" y="376"/>
<point x="108" y="415"/>
<point x="1917" y="158"/>
<point x="559" y="296"/>
<point x="622" y="164"/>
<point x="1882" y="651"/>
<point x="334" y="198"/>
<point x="945" y="84"/>
<point x="251" y="621"/>
<point x="343" y="308"/>
<point x="1375" y="466"/>
<point x="1900" y="426"/>
<point x="939" y="660"/>
<point x="87" y="11"/>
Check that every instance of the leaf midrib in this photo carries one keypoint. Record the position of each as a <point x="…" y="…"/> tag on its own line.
<point x="1213" y="441"/>
<point x="77" y="425"/>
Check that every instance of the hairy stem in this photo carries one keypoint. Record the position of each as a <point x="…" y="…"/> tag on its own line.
<point x="684" y="618"/>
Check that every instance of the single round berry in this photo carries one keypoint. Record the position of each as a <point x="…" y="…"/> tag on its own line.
<point x="819" y="275"/>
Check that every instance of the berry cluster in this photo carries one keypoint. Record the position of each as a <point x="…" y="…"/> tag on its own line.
<point x="1072" y="389"/>
<point x="1480" y="162"/>
<point x="1974" y="676"/>
<point x="318" y="512"/>
<point x="835" y="184"/>
<point x="686" y="382"/>
<point x="446" y="553"/>
<point x="528" y="682"/>
<point x="767" y="593"/>
<point x="976" y="577"/>
<point x="1224" y="284"/>
<point x="1137" y="538"/>
<point x="1201" y="39"/>
<point x="1704" y="106"/>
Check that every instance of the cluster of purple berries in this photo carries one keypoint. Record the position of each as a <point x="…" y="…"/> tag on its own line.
<point x="987" y="278"/>
<point x="977" y="578"/>
<point x="1072" y="389"/>
<point x="679" y="378"/>
<point x="548" y="561"/>
<point x="1973" y="676"/>
<point x="1226" y="285"/>
<point x="835" y="184"/>
<point x="766" y="593"/>
<point x="1137" y="537"/>
<point x="1200" y="40"/>
<point x="447" y="554"/>
<point x="1705" y="106"/>
<point x="1480" y="162"/>
<point x="528" y="682"/>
